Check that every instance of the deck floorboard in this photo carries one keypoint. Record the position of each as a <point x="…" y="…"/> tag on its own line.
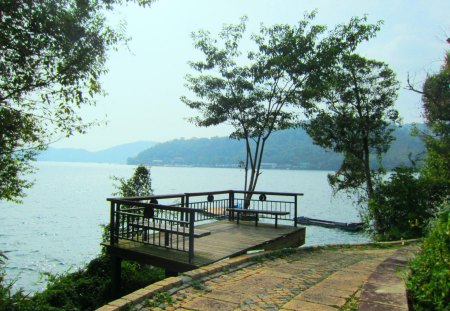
<point x="227" y="239"/>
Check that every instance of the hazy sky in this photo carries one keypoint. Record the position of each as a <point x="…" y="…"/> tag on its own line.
<point x="144" y="84"/>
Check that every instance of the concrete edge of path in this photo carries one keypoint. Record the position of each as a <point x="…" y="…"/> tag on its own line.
<point x="147" y="292"/>
<point x="386" y="289"/>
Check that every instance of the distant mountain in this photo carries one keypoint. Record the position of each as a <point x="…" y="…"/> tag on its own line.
<point x="117" y="154"/>
<point x="285" y="149"/>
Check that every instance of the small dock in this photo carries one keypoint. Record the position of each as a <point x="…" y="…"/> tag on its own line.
<point x="182" y="232"/>
<point x="227" y="239"/>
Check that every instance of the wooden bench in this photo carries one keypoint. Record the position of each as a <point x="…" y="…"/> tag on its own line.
<point x="256" y="212"/>
<point x="179" y="230"/>
<point x="168" y="230"/>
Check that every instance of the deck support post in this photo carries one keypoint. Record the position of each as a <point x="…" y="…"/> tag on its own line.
<point x="191" y="236"/>
<point x="116" y="275"/>
<point x="295" y="211"/>
<point x="231" y="199"/>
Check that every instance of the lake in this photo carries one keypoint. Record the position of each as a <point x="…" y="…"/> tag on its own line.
<point x="58" y="226"/>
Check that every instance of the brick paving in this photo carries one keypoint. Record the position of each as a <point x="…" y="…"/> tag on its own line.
<point x="310" y="279"/>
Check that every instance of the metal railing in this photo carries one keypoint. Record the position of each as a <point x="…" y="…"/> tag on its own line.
<point x="171" y="225"/>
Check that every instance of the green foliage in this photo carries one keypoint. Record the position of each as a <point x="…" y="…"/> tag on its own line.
<point x="356" y="120"/>
<point x="159" y="300"/>
<point x="138" y="185"/>
<point x="53" y="54"/>
<point x="402" y="205"/>
<point x="86" y="289"/>
<point x="436" y="99"/>
<point x="90" y="288"/>
<point x="256" y="91"/>
<point x="436" y="104"/>
<point x="429" y="283"/>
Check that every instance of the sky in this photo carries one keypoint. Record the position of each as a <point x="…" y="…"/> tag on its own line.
<point x="146" y="79"/>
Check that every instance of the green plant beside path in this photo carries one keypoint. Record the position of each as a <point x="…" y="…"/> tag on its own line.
<point x="429" y="284"/>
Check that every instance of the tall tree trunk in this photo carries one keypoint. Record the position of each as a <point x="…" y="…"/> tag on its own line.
<point x="367" y="172"/>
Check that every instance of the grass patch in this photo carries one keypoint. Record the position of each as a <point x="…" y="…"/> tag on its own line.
<point x="161" y="300"/>
<point x="352" y="302"/>
<point x="196" y="284"/>
<point x="283" y="253"/>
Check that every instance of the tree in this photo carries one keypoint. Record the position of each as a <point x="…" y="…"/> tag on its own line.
<point x="256" y="93"/>
<point x="52" y="55"/>
<point x="138" y="185"/>
<point x="436" y="103"/>
<point x="355" y="120"/>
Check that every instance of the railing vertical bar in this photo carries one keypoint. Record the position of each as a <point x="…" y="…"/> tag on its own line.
<point x="128" y="227"/>
<point x="112" y="224"/>
<point x="117" y="223"/>
<point x="183" y="204"/>
<point x="191" y="236"/>
<point x="184" y="238"/>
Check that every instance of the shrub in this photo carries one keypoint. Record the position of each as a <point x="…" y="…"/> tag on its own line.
<point x="429" y="283"/>
<point x="402" y="205"/>
<point x="90" y="288"/>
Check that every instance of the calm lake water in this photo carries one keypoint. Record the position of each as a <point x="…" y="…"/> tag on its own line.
<point x="57" y="228"/>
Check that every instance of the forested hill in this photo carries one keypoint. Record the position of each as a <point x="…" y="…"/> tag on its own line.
<point x="285" y="149"/>
<point x="117" y="154"/>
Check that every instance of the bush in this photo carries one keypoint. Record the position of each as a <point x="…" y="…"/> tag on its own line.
<point x="429" y="283"/>
<point x="90" y="288"/>
<point x="402" y="205"/>
<point x="85" y="289"/>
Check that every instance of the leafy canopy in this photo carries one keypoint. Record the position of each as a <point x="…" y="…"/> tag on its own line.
<point x="257" y="92"/>
<point x="52" y="55"/>
<point x="138" y="185"/>
<point x="354" y="117"/>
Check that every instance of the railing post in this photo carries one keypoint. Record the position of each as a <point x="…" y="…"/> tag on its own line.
<point x="230" y="200"/>
<point x="183" y="204"/>
<point x="191" y="236"/>
<point x="117" y="223"/>
<point x="295" y="210"/>
<point x="111" y="224"/>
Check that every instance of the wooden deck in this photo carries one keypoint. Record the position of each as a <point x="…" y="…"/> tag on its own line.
<point x="227" y="239"/>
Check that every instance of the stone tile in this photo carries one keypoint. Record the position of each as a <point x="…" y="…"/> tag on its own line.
<point x="228" y="296"/>
<point x="138" y="296"/>
<point x="154" y="288"/>
<point x="371" y="306"/>
<point x="320" y="298"/>
<point x="108" y="308"/>
<point x="394" y="295"/>
<point x="343" y="284"/>
<point x="172" y="281"/>
<point x="384" y="278"/>
<point x="119" y="303"/>
<point x="341" y="293"/>
<point x="207" y="304"/>
<point x="306" y="306"/>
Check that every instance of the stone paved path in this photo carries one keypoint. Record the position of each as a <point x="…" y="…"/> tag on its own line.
<point x="319" y="279"/>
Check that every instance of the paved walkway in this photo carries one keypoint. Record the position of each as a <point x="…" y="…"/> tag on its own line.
<point x="331" y="278"/>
